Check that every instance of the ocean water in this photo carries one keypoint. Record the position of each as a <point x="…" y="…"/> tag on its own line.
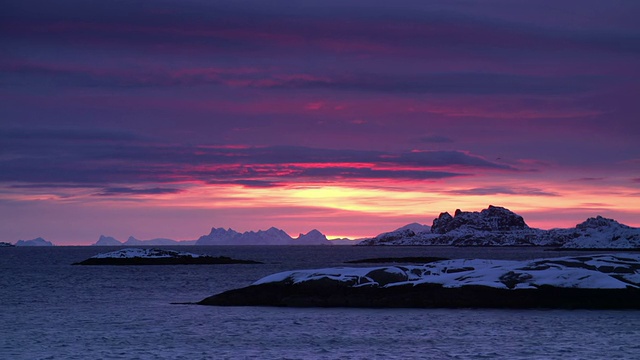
<point x="50" y="309"/>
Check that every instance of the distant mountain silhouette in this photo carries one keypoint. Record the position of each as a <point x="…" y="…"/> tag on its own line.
<point x="158" y="241"/>
<point x="107" y="241"/>
<point x="221" y="236"/>
<point x="271" y="236"/>
<point x="35" y="242"/>
<point x="132" y="241"/>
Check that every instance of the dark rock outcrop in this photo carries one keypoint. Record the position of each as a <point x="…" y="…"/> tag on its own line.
<point x="335" y="294"/>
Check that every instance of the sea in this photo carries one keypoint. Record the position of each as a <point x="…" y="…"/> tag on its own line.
<point x="51" y="309"/>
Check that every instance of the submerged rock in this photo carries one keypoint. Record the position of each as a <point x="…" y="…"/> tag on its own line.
<point x="598" y="281"/>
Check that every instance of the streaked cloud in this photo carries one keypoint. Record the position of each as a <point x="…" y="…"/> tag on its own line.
<point x="115" y="191"/>
<point x="107" y="158"/>
<point x="497" y="190"/>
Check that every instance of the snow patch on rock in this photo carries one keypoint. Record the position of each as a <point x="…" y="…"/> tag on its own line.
<point x="588" y="272"/>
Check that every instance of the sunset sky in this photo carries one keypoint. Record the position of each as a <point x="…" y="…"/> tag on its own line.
<point x="167" y="118"/>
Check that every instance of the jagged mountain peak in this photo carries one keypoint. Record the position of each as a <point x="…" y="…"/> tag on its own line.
<point x="313" y="237"/>
<point x="107" y="241"/>
<point x="271" y="236"/>
<point x="493" y="218"/>
<point x="272" y="229"/>
<point x="221" y="230"/>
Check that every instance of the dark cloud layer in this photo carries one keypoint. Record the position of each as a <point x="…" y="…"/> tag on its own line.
<point x="250" y="26"/>
<point x="103" y="158"/>
<point x="436" y="83"/>
<point x="451" y="83"/>
<point x="115" y="191"/>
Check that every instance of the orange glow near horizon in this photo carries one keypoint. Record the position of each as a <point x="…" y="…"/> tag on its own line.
<point x="359" y="208"/>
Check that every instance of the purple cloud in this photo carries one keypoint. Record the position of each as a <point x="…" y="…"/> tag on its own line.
<point x="252" y="26"/>
<point x="435" y="139"/>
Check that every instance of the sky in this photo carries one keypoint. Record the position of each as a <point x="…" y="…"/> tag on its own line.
<point x="166" y="118"/>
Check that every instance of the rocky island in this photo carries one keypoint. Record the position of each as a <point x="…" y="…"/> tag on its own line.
<point x="591" y="282"/>
<point x="498" y="226"/>
<point x="137" y="256"/>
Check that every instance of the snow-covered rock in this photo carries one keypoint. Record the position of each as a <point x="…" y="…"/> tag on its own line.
<point x="407" y="234"/>
<point x="599" y="233"/>
<point x="497" y="226"/>
<point x="415" y="227"/>
<point x="586" y="281"/>
<point x="271" y="236"/>
<point x="5" y="244"/>
<point x="35" y="242"/>
<point x="596" y="271"/>
<point x="398" y="237"/>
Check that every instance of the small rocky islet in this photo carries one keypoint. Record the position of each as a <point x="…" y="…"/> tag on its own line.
<point x="139" y="256"/>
